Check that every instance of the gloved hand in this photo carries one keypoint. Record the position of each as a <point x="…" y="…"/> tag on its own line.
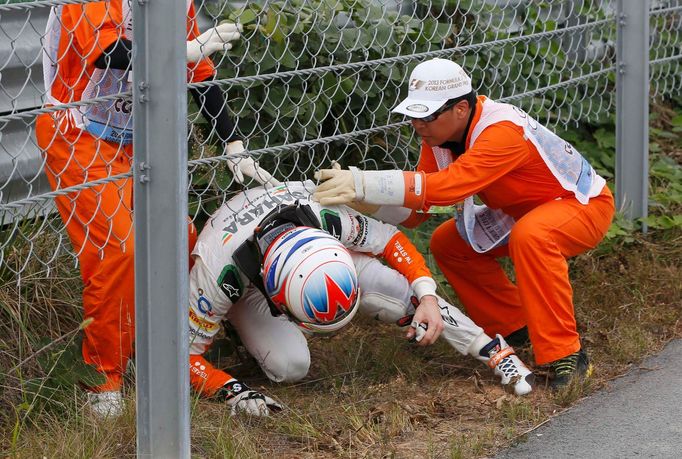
<point x="243" y="399"/>
<point x="339" y="186"/>
<point x="246" y="165"/>
<point x="215" y="39"/>
<point x="362" y="207"/>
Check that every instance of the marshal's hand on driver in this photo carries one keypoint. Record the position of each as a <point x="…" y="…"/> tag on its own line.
<point x="339" y="186"/>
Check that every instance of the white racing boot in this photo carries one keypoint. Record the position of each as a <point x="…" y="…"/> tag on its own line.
<point x="106" y="404"/>
<point x="500" y="357"/>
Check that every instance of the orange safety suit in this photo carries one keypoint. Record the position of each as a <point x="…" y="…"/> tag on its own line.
<point x="506" y="171"/>
<point x="98" y="219"/>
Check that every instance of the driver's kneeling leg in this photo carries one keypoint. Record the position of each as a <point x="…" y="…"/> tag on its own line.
<point x="276" y="343"/>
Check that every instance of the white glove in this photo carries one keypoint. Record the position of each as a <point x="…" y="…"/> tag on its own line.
<point x="246" y="165"/>
<point x="362" y="207"/>
<point x="243" y="399"/>
<point x="339" y="186"/>
<point x="215" y="39"/>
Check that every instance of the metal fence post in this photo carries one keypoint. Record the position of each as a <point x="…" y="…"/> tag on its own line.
<point x="160" y="167"/>
<point x="632" y="108"/>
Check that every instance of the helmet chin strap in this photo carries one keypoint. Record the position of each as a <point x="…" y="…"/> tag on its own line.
<point x="283" y="218"/>
<point x="249" y="255"/>
<point x="265" y="235"/>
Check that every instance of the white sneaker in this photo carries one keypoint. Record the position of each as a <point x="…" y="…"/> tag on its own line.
<point x="106" y="404"/>
<point x="500" y="357"/>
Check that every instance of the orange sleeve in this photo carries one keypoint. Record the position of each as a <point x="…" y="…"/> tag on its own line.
<point x="403" y="256"/>
<point x="427" y="163"/>
<point x="497" y="151"/>
<point x="204" y="378"/>
<point x="96" y="26"/>
<point x="204" y="69"/>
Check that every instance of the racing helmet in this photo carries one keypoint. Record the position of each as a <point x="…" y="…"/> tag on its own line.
<point x="310" y="276"/>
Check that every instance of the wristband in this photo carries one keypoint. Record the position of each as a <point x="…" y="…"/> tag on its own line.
<point x="423" y="286"/>
<point x="233" y="388"/>
<point x="235" y="147"/>
<point x="384" y="187"/>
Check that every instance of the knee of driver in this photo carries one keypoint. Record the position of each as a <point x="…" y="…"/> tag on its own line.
<point x="297" y="369"/>
<point x="289" y="368"/>
<point x="383" y="307"/>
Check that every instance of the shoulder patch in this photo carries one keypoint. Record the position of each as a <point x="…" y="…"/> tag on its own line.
<point x="331" y="222"/>
<point x="230" y="283"/>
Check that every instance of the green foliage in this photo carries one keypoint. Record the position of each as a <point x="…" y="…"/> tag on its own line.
<point x="64" y="368"/>
<point x="282" y="36"/>
<point x="308" y="35"/>
<point x="597" y="142"/>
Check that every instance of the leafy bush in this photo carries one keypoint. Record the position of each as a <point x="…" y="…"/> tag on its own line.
<point x="598" y="143"/>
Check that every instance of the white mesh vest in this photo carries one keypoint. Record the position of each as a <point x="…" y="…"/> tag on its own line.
<point x="484" y="228"/>
<point x="108" y="120"/>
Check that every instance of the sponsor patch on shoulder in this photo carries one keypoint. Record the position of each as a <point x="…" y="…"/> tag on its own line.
<point x="331" y="222"/>
<point x="417" y="108"/>
<point x="230" y="283"/>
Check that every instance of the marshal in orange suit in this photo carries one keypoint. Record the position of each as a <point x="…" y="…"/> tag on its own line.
<point x="542" y="204"/>
<point x="88" y="55"/>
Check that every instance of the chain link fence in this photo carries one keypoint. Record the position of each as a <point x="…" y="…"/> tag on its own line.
<point x="315" y="81"/>
<point x="309" y="82"/>
<point x="665" y="24"/>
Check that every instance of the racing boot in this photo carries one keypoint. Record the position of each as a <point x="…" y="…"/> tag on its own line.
<point x="500" y="357"/>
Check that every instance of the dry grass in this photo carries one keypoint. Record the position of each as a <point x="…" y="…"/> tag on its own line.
<point x="369" y="393"/>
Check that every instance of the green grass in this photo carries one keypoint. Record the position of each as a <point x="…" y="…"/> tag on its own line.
<point x="369" y="393"/>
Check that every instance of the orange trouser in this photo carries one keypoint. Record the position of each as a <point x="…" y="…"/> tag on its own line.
<point x="539" y="244"/>
<point x="99" y="222"/>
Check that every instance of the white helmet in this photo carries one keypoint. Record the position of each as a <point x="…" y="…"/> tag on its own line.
<point x="310" y="277"/>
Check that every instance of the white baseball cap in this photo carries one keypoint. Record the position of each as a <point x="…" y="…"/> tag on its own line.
<point x="432" y="83"/>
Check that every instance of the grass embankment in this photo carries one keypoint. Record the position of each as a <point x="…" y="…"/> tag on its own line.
<point x="369" y="393"/>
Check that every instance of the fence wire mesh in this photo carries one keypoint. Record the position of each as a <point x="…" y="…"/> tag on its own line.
<point x="310" y="81"/>
<point x="315" y="81"/>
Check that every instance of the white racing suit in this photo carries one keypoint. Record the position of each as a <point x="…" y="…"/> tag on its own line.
<point x="219" y="291"/>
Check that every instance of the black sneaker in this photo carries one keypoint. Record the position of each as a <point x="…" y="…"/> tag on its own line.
<point x="571" y="366"/>
<point x="518" y="338"/>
